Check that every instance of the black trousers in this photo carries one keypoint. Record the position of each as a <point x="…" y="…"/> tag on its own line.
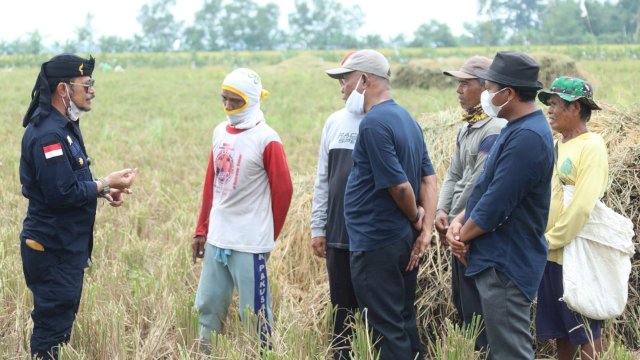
<point x="343" y="300"/>
<point x="466" y="299"/>
<point x="386" y="295"/>
<point x="55" y="279"/>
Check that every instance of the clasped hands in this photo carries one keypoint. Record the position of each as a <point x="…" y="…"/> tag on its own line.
<point x="459" y="249"/>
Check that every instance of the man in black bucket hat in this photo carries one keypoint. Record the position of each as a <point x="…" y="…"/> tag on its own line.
<point x="500" y="235"/>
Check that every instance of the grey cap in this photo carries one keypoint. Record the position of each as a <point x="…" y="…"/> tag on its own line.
<point x="368" y="61"/>
<point x="469" y="68"/>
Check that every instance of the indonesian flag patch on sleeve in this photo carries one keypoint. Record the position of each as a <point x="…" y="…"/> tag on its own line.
<point x="53" y="150"/>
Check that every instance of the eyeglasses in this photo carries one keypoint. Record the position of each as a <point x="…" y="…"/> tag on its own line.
<point x="89" y="84"/>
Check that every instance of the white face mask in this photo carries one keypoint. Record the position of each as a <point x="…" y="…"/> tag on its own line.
<point x="72" y="110"/>
<point x="246" y="119"/>
<point x="355" y="101"/>
<point x="486" y="100"/>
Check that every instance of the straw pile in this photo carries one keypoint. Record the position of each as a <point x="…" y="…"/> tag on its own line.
<point x="427" y="73"/>
<point x="621" y="130"/>
<point x="554" y="65"/>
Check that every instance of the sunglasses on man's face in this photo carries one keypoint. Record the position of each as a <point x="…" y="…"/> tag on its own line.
<point x="88" y="85"/>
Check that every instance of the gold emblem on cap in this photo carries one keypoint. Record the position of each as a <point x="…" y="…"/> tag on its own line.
<point x="81" y="69"/>
<point x="80" y="161"/>
<point x="69" y="140"/>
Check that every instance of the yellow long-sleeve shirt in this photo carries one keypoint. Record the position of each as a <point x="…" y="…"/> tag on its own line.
<point x="582" y="162"/>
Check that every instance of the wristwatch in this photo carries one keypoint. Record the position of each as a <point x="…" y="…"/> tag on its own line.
<point x="105" y="187"/>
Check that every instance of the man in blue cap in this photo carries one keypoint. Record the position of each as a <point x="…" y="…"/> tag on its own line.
<point x="57" y="234"/>
<point x="500" y="235"/>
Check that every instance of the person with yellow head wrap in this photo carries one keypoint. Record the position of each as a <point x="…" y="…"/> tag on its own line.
<point x="246" y="84"/>
<point x="246" y="196"/>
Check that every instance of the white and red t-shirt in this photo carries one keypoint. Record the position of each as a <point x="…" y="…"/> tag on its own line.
<point x="247" y="189"/>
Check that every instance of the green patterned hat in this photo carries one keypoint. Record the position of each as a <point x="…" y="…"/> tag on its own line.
<point x="570" y="89"/>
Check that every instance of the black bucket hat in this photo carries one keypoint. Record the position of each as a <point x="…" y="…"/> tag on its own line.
<point x="513" y="69"/>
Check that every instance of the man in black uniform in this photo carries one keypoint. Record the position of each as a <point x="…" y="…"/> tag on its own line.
<point x="57" y="234"/>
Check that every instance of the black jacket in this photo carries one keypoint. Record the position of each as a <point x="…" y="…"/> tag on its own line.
<point x="55" y="177"/>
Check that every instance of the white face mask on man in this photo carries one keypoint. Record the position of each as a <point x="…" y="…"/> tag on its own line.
<point x="73" y="112"/>
<point x="245" y="119"/>
<point x="355" y="101"/>
<point x="486" y="100"/>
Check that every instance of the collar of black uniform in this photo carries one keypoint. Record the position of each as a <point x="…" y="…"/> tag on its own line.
<point x="59" y="118"/>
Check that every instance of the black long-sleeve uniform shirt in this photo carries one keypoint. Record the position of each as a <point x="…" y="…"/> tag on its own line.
<point x="55" y="177"/>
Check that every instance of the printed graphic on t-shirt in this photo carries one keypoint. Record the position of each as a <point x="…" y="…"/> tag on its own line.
<point x="347" y="137"/>
<point x="566" y="167"/>
<point x="227" y="169"/>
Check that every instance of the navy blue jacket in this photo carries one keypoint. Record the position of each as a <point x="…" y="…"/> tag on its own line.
<point x="511" y="203"/>
<point x="55" y="177"/>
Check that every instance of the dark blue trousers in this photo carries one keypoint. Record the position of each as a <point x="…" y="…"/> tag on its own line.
<point x="55" y="279"/>
<point x="343" y="300"/>
<point x="386" y="295"/>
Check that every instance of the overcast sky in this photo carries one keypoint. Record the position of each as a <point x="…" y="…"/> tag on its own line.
<point x="58" y="20"/>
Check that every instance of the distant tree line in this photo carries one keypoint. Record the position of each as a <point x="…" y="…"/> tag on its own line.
<point x="327" y="24"/>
